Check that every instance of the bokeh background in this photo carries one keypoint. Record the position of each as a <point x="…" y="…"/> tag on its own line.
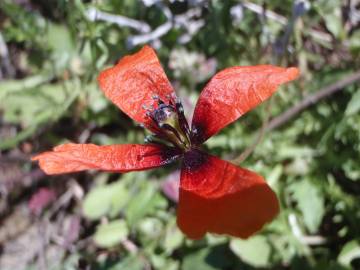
<point x="51" y="53"/>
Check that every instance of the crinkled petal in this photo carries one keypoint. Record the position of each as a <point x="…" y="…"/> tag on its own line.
<point x="219" y="197"/>
<point x="72" y="157"/>
<point x="133" y="82"/>
<point x="234" y="91"/>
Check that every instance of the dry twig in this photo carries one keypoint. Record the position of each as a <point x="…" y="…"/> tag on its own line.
<point x="283" y="118"/>
<point x="94" y="14"/>
<point x="185" y="21"/>
<point x="316" y="34"/>
<point x="312" y="99"/>
<point x="258" y="139"/>
<point x="5" y="63"/>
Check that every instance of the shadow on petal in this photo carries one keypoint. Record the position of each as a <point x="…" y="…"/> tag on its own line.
<point x="238" y="214"/>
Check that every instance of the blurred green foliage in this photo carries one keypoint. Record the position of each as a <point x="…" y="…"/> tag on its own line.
<point x="312" y="162"/>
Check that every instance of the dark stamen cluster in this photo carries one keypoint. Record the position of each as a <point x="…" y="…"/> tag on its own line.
<point x="169" y="123"/>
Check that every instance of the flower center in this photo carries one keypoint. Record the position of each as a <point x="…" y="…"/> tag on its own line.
<point x="170" y="124"/>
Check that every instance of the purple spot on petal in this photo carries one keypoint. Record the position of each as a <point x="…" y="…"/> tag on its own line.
<point x="194" y="159"/>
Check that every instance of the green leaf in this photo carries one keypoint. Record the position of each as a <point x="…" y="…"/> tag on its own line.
<point x="328" y="265"/>
<point x="310" y="201"/>
<point x="59" y="38"/>
<point x="353" y="106"/>
<point x="352" y="169"/>
<point x="10" y="86"/>
<point x="131" y="262"/>
<point x="295" y="151"/>
<point x="97" y="202"/>
<point x="254" y="251"/>
<point x="173" y="237"/>
<point x="274" y="175"/>
<point x="62" y="46"/>
<point x="331" y="13"/>
<point x="349" y="252"/>
<point x="213" y="258"/>
<point x="111" y="234"/>
<point x="106" y="200"/>
<point x="145" y="201"/>
<point x="150" y="227"/>
<point x="33" y="107"/>
<point x="120" y="197"/>
<point x="355" y="42"/>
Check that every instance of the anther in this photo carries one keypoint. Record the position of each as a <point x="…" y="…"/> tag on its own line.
<point x="144" y="107"/>
<point x="155" y="97"/>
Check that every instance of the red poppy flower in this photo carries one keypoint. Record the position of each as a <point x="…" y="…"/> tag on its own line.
<point x="215" y="195"/>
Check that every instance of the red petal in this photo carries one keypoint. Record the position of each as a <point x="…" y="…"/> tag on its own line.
<point x="71" y="157"/>
<point x="134" y="81"/>
<point x="234" y="91"/>
<point x="219" y="197"/>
